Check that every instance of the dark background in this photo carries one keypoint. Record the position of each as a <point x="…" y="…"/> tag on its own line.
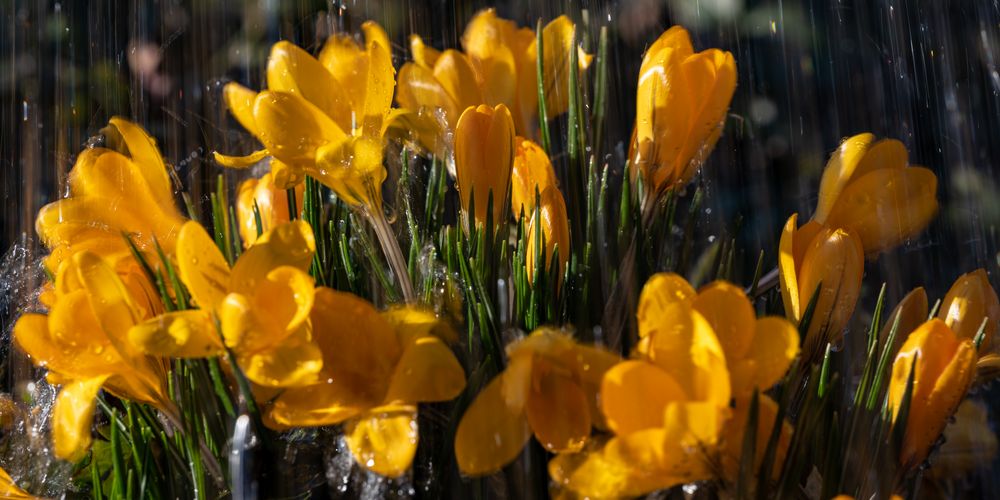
<point x="810" y="74"/>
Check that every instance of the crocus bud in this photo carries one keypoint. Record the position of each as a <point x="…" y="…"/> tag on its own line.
<point x="944" y="365"/>
<point x="532" y="170"/>
<point x="484" y="156"/>
<point x="551" y="215"/>
<point x="971" y="300"/>
<point x="814" y="256"/>
<point x="673" y="137"/>
<point x="868" y="187"/>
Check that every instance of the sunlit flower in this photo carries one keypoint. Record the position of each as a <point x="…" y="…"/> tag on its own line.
<point x="262" y="305"/>
<point x="484" y="157"/>
<point x="969" y="442"/>
<point x="497" y="67"/>
<point x="681" y="105"/>
<point x="376" y="368"/>
<point x="323" y="117"/>
<point x="943" y="366"/>
<point x="123" y="188"/>
<point x="813" y="255"/>
<point x="969" y="302"/>
<point x="868" y="186"/>
<point x="667" y="408"/>
<point x="554" y="230"/>
<point x="10" y="490"/>
<point x="548" y="389"/>
<point x="911" y="311"/>
<point x="83" y="342"/>
<point x="532" y="173"/>
<point x="271" y="201"/>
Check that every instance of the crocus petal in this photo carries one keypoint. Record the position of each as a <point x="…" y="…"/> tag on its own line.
<point x="412" y="322"/>
<point x="144" y="153"/>
<point x="240" y="161"/>
<point x="887" y="206"/>
<point x="201" y="266"/>
<point x="532" y="171"/>
<point x="383" y="442"/>
<point x="353" y="169"/>
<point x="635" y="394"/>
<point x="72" y="417"/>
<point x="295" y="361"/>
<point x="239" y="100"/>
<point x="969" y="301"/>
<point x="379" y="85"/>
<point x="109" y="300"/>
<point x="178" y="334"/>
<point x="292" y="128"/>
<point x="490" y="434"/>
<point x="840" y="170"/>
<point x="10" y="490"/>
<point x="660" y="292"/>
<point x="912" y="312"/>
<point x="455" y="74"/>
<point x="727" y="308"/>
<point x="834" y="259"/>
<point x="426" y="372"/>
<point x="775" y="345"/>
<point x="326" y="403"/>
<point x="422" y="54"/>
<point x="551" y="214"/>
<point x="291" y="69"/>
<point x="418" y="89"/>
<point x="557" y="44"/>
<point x="280" y="305"/>
<point x="685" y="345"/>
<point x="557" y="410"/>
<point x="484" y="157"/>
<point x="291" y="244"/>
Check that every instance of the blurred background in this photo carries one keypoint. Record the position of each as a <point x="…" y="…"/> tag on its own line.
<point x="810" y="74"/>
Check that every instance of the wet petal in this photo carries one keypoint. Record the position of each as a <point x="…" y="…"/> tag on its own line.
<point x="490" y="434"/>
<point x="201" y="266"/>
<point x="326" y="403"/>
<point x="484" y="157"/>
<point x="912" y="312"/>
<point x="109" y="301"/>
<point x="146" y="156"/>
<point x="240" y="161"/>
<point x="426" y="372"/>
<point x="635" y="394"/>
<point x="660" y="292"/>
<point x="353" y="169"/>
<point x="384" y="443"/>
<point x="455" y="74"/>
<point x="412" y="322"/>
<point x="239" y="100"/>
<point x="840" y="170"/>
<point x="775" y="345"/>
<point x="557" y="44"/>
<point x="685" y="344"/>
<point x="292" y="128"/>
<point x="419" y="88"/>
<point x="422" y="54"/>
<point x="291" y="69"/>
<point x="379" y="85"/>
<point x="291" y="244"/>
<point x="295" y="361"/>
<point x="834" y="259"/>
<point x="558" y="410"/>
<point x="969" y="301"/>
<point x="72" y="417"/>
<point x="727" y="308"/>
<point x="532" y="171"/>
<point x="178" y="334"/>
<point x="554" y="230"/>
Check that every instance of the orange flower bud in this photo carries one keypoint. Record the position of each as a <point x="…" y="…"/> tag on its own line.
<point x="971" y="300"/>
<point x="555" y="231"/>
<point x="532" y="169"/>
<point x="484" y="156"/>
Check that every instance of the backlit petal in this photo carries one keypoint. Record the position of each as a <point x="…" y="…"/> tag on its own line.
<point x="422" y="54"/>
<point x="532" y="171"/>
<point x="490" y="434"/>
<point x="293" y="70"/>
<point x="660" y="292"/>
<point x="295" y="361"/>
<point x="686" y="346"/>
<point x="969" y="301"/>
<point x="201" y="266"/>
<point x="179" y="334"/>
<point x="775" y="345"/>
<point x="72" y="417"/>
<point x="383" y="442"/>
<point x="239" y="100"/>
<point x="291" y="127"/>
<point x="840" y="170"/>
<point x="291" y="244"/>
<point x="635" y="394"/>
<point x="557" y="410"/>
<point x="727" y="308"/>
<point x="834" y="259"/>
<point x="426" y="372"/>
<point x="912" y="312"/>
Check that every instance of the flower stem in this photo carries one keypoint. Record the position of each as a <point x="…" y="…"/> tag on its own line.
<point x="393" y="254"/>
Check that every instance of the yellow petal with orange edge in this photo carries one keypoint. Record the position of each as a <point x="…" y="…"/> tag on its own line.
<point x="426" y="372"/>
<point x="357" y="342"/>
<point x="353" y="169"/>
<point x="969" y="301"/>
<point x="661" y="291"/>
<point x="418" y="89"/>
<point x="10" y="490"/>
<point x="422" y="54"/>
<point x="292" y="128"/>
<point x="840" y="170"/>
<point x="383" y="442"/>
<point x="239" y="100"/>
<point x="290" y="244"/>
<point x="558" y="411"/>
<point x="685" y="345"/>
<point x="72" y="417"/>
<point x="912" y="312"/>
<point x="484" y="157"/>
<point x="727" y="308"/>
<point x="295" y="361"/>
<point x="240" y="161"/>
<point x="635" y="394"/>
<point x="201" y="266"/>
<point x="490" y="434"/>
<point x="775" y="345"/>
<point x="835" y="260"/>
<point x="293" y="70"/>
<point x="887" y="206"/>
<point x="178" y="334"/>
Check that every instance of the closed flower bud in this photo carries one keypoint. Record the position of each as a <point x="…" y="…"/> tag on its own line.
<point x="969" y="302"/>
<point x="554" y="230"/>
<point x="484" y="156"/>
<point x="532" y="170"/>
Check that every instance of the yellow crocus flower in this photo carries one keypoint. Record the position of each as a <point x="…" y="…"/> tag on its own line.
<point x="912" y="312"/>
<point x="812" y="255"/>
<point x="970" y="300"/>
<point x="551" y="215"/>
<point x="10" y="490"/>
<point x="681" y="105"/>
<point x="83" y="342"/>
<point x="122" y="188"/>
<point x="532" y="171"/>
<point x="548" y="389"/>
<point x="484" y="157"/>
<point x="376" y="368"/>
<point x="323" y="117"/>
<point x="271" y="201"/>
<point x="867" y="186"/>
<point x="262" y="305"/>
<point x="945" y="365"/>
<point x="497" y="67"/>
<point x="667" y="408"/>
